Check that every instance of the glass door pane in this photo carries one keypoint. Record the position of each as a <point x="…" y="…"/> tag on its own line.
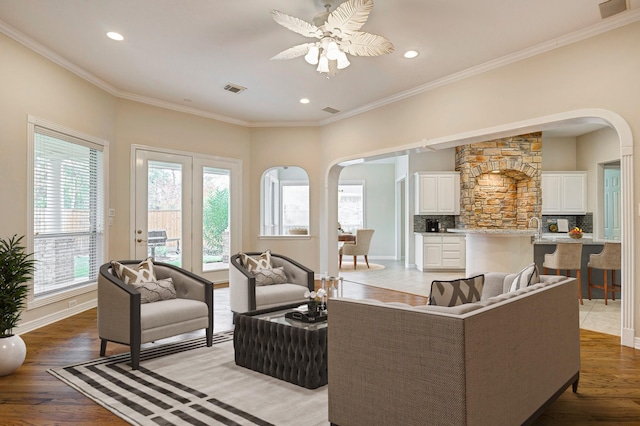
<point x="164" y="212"/>
<point x="215" y="218"/>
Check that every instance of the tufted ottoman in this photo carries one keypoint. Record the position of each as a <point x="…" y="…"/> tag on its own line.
<point x="290" y="350"/>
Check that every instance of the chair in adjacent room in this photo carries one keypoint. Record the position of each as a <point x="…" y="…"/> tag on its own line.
<point x="360" y="248"/>
<point x="568" y="257"/>
<point x="137" y="312"/>
<point x="609" y="259"/>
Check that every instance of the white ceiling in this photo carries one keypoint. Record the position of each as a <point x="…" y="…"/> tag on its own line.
<point x="181" y="53"/>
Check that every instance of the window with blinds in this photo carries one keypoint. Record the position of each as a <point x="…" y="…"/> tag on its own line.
<point x="68" y="210"/>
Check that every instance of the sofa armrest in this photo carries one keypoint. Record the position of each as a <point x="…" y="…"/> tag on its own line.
<point x="118" y="308"/>
<point x="242" y="287"/>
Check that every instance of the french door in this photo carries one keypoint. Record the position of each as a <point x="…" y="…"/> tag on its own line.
<point x="163" y="188"/>
<point x="182" y="210"/>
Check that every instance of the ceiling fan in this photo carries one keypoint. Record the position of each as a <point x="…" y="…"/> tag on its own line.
<point x="338" y="34"/>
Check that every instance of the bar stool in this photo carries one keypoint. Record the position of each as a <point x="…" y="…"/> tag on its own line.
<point x="567" y="256"/>
<point x="609" y="259"/>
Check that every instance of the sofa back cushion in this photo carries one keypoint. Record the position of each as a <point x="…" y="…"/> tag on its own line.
<point x="456" y="292"/>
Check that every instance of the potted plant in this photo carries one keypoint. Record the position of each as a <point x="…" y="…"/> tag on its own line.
<point x="16" y="269"/>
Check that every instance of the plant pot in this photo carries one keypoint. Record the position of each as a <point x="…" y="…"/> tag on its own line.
<point x="13" y="351"/>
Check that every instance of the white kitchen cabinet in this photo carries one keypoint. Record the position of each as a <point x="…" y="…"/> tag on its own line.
<point x="564" y="193"/>
<point x="439" y="252"/>
<point x="437" y="193"/>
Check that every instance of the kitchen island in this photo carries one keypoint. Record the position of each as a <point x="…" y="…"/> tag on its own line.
<point x="497" y="250"/>
<point x="547" y="244"/>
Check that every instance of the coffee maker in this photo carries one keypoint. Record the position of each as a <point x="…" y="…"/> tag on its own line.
<point x="433" y="225"/>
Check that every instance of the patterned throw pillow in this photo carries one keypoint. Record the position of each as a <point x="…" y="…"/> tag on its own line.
<point x="142" y="273"/>
<point x="154" y="291"/>
<point x="456" y="292"/>
<point x="270" y="276"/>
<point x="528" y="276"/>
<point x="254" y="265"/>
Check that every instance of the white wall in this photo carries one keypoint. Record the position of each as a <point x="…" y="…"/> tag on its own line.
<point x="379" y="205"/>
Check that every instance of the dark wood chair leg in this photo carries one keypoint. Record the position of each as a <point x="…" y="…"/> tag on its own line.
<point x="355" y="262"/>
<point x="366" y="259"/>
<point x="606" y="287"/>
<point x="574" y="385"/>
<point x="135" y="357"/>
<point x="589" y="277"/>
<point x="579" y="278"/>
<point x="340" y="266"/>
<point x="209" y="334"/>
<point x="103" y="347"/>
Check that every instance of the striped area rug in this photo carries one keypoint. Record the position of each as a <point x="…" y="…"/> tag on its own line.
<point x="187" y="383"/>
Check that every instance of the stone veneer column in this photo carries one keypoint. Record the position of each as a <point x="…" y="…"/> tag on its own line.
<point x="500" y="182"/>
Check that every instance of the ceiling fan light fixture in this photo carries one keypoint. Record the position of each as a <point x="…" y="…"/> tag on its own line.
<point x="323" y="63"/>
<point x="343" y="61"/>
<point x="332" y="50"/>
<point x="312" y="56"/>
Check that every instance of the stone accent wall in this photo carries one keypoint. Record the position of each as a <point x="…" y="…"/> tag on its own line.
<point x="500" y="182"/>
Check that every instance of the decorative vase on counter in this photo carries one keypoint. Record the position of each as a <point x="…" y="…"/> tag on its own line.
<point x="312" y="308"/>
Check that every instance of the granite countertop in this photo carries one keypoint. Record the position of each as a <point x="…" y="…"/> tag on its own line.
<point x="496" y="232"/>
<point x="553" y="238"/>
<point x="430" y="234"/>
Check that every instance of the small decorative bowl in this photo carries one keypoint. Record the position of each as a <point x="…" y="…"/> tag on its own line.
<point x="575" y="236"/>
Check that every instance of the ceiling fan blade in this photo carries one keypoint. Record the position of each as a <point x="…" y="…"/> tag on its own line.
<point x="296" y="25"/>
<point x="348" y="18"/>
<point x="293" y="52"/>
<point x="366" y="44"/>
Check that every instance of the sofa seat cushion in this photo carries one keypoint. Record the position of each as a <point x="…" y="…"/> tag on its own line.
<point x="168" y="312"/>
<point x="279" y="294"/>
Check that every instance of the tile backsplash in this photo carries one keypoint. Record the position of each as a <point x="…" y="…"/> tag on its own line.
<point x="584" y="222"/>
<point x="420" y="222"/>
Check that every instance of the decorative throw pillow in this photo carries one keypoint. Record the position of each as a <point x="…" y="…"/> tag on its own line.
<point x="253" y="265"/>
<point x="528" y="276"/>
<point x="270" y="276"/>
<point x="456" y="292"/>
<point x="142" y="273"/>
<point x="154" y="291"/>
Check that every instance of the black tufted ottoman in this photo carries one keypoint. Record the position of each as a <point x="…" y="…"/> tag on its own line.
<point x="290" y="350"/>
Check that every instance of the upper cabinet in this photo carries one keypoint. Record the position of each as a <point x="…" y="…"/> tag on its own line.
<point x="564" y="193"/>
<point x="437" y="193"/>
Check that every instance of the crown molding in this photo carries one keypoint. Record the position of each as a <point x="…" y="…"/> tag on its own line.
<point x="606" y="25"/>
<point x="609" y="24"/>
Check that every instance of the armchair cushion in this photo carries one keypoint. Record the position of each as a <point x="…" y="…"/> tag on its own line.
<point x="155" y="290"/>
<point x="141" y="273"/>
<point x="270" y="276"/>
<point x="456" y="292"/>
<point x="253" y="265"/>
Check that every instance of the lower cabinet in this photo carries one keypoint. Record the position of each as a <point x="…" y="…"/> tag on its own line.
<point x="439" y="252"/>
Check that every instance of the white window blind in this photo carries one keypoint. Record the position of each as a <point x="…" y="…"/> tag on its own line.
<point x="68" y="211"/>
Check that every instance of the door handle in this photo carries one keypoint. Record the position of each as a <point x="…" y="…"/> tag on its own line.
<point x="140" y="240"/>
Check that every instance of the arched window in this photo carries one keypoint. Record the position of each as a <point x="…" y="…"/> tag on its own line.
<point x="284" y="201"/>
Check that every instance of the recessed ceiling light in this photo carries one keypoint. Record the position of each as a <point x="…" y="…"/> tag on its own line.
<point x="115" y="36"/>
<point x="304" y="101"/>
<point x="410" y="54"/>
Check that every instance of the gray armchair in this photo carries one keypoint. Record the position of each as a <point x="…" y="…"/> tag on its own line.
<point x="122" y="318"/>
<point x="245" y="295"/>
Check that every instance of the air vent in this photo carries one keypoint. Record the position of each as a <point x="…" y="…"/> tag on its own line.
<point x="234" y="88"/>
<point x="612" y="7"/>
<point x="330" y="110"/>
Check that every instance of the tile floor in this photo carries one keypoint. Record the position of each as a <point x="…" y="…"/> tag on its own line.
<point x="594" y="314"/>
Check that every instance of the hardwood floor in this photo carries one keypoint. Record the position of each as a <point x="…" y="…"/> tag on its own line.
<point x="609" y="391"/>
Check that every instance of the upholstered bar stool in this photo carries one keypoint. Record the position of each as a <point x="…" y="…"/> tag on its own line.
<point x="567" y="256"/>
<point x="609" y="259"/>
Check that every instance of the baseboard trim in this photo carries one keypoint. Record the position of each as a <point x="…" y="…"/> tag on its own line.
<point x="55" y="317"/>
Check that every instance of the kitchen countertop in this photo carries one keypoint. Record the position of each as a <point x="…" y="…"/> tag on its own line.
<point x="587" y="239"/>
<point x="495" y="232"/>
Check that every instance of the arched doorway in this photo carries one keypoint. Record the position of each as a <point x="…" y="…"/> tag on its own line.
<point x="329" y="258"/>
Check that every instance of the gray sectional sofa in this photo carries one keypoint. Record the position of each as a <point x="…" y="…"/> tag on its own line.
<point x="499" y="361"/>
